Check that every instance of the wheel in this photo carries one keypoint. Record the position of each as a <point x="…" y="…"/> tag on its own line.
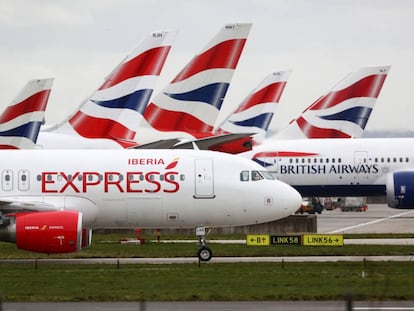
<point x="204" y="253"/>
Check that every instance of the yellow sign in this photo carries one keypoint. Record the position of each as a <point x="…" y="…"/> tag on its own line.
<point x="323" y="239"/>
<point x="258" y="240"/>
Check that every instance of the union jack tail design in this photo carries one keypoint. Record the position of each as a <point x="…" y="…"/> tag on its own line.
<point x="114" y="110"/>
<point x="21" y="121"/>
<point x="255" y="113"/>
<point x="344" y="111"/>
<point x="192" y="101"/>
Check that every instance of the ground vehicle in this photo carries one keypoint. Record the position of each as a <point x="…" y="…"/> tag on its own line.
<point x="352" y="204"/>
<point x="311" y="206"/>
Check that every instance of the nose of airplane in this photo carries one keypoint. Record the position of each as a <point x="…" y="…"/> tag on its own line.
<point x="287" y="199"/>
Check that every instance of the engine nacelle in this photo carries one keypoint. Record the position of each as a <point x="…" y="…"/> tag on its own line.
<point x="400" y="189"/>
<point x="47" y="232"/>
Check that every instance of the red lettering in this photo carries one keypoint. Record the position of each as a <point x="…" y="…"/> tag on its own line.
<point x="112" y="178"/>
<point x="139" y="161"/>
<point x="131" y="180"/>
<point x="150" y="177"/>
<point x="45" y="181"/>
<point x="169" y="178"/>
<point x="69" y="182"/>
<point x="90" y="182"/>
<point x="134" y="182"/>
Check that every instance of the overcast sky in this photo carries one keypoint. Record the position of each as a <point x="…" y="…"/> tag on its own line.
<point x="78" y="42"/>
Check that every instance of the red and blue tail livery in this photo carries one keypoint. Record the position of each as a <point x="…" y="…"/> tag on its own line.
<point x="115" y="109"/>
<point x="191" y="102"/>
<point x="344" y="111"/>
<point x="255" y="113"/>
<point x="20" y="122"/>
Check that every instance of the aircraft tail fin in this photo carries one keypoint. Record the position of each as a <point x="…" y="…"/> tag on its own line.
<point x="116" y="107"/>
<point x="193" y="99"/>
<point x="344" y="111"/>
<point x="20" y="122"/>
<point x="255" y="113"/>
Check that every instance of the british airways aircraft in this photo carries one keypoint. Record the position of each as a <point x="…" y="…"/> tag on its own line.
<point x="110" y="116"/>
<point x="21" y="120"/>
<point x="343" y="167"/>
<point x="189" y="106"/>
<point x="117" y="114"/>
<point x="51" y="202"/>
<point x="256" y="111"/>
<point x="342" y="112"/>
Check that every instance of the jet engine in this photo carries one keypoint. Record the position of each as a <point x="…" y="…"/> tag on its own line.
<point x="46" y="232"/>
<point x="400" y="189"/>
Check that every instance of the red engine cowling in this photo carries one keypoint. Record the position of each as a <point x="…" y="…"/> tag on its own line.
<point x="49" y="232"/>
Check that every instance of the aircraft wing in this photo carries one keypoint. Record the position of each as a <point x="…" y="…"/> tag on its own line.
<point x="15" y="204"/>
<point x="229" y="143"/>
<point x="159" y="144"/>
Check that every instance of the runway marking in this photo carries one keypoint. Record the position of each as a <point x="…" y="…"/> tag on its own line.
<point x="370" y="222"/>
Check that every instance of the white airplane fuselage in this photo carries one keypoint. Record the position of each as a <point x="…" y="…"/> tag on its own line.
<point x="343" y="167"/>
<point x="144" y="188"/>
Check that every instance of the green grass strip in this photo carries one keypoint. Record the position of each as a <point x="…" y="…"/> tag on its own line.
<point x="189" y="282"/>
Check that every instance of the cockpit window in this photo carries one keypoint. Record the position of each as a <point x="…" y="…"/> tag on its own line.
<point x="244" y="176"/>
<point x="256" y="175"/>
<point x="267" y="175"/>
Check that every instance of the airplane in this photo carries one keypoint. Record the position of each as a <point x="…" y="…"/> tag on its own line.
<point x="21" y="120"/>
<point x="233" y="135"/>
<point x="203" y="82"/>
<point x="109" y="117"/>
<point x="256" y="111"/>
<point x="52" y="202"/>
<point x="189" y="106"/>
<point x="343" y="167"/>
<point x="343" y="111"/>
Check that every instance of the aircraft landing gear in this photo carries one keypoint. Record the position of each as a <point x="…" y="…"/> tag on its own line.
<point x="204" y="253"/>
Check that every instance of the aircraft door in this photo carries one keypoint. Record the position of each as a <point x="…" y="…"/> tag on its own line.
<point x="204" y="179"/>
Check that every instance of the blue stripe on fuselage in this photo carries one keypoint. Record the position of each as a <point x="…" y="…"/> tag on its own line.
<point x="340" y="190"/>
